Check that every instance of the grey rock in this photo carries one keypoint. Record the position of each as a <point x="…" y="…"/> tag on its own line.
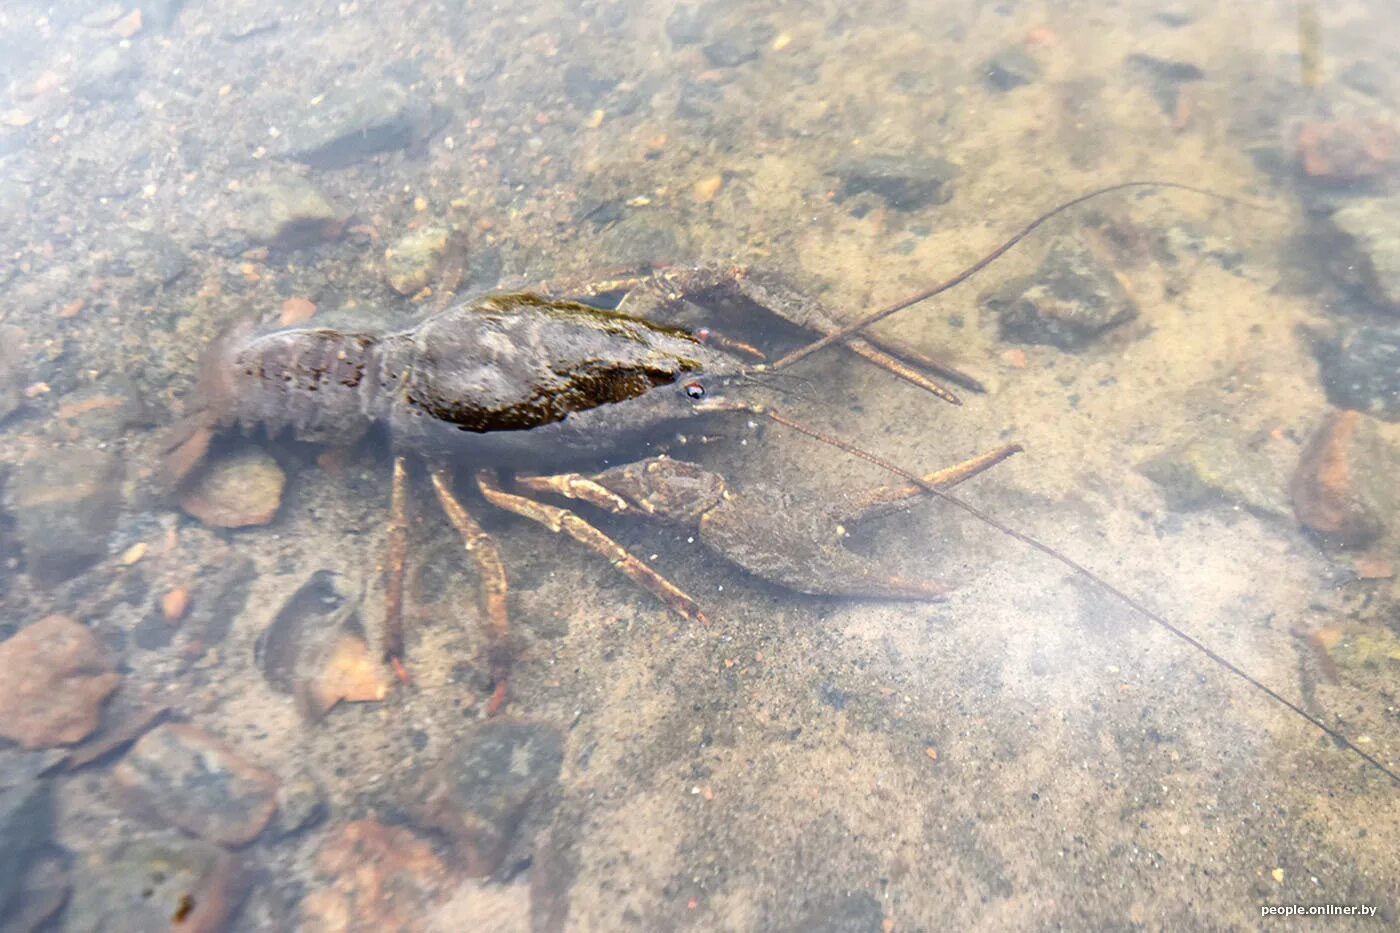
<point x="585" y="86"/>
<point x="1068" y="302"/>
<point x="301" y="804"/>
<point x="1360" y="367"/>
<point x="727" y="53"/>
<point x="415" y="260"/>
<point x="108" y="75"/>
<point x="65" y="503"/>
<point x="480" y="794"/>
<point x="179" y="775"/>
<point x="1369" y="248"/>
<point x="1175" y="15"/>
<point x="13" y="369"/>
<point x="290" y="213"/>
<point x="1010" y="68"/>
<point x="1219" y="467"/>
<point x="904" y="182"/>
<point x="1164" y="77"/>
<point x="160" y="14"/>
<point x="1368" y="77"/>
<point x="698" y="100"/>
<point x="355" y="122"/>
<point x="26" y="828"/>
<point x="146" y="884"/>
<point x="688" y="23"/>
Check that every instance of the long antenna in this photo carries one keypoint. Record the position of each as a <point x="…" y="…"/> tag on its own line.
<point x="1082" y="571"/>
<point x="841" y="333"/>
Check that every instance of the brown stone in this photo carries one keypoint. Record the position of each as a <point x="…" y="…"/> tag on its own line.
<point x="1341" y="151"/>
<point x="181" y="775"/>
<point x="54" y="678"/>
<point x="236" y="491"/>
<point x="1343" y="488"/>
<point x="347" y="671"/>
<point x="168" y="882"/>
<point x="375" y="878"/>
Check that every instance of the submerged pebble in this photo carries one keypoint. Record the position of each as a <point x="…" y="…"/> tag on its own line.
<point x="1068" y="302"/>
<point x="373" y="877"/>
<point x="54" y="680"/>
<point x="1369" y="235"/>
<point x="182" y="776"/>
<point x="415" y="260"/>
<point x="242" y="489"/>
<point x="1009" y="69"/>
<point x="1344" y="487"/>
<point x="904" y="182"/>
<point x="1218" y="467"/>
<point x="353" y="122"/>
<point x="65" y="504"/>
<point x="290" y="213"/>
<point x="148" y="883"/>
<point x="480" y="794"/>
<point x="1360" y="367"/>
<point x="26" y="826"/>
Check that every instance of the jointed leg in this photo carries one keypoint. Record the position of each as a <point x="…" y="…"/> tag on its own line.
<point x="398" y="554"/>
<point x="576" y="486"/>
<point x="493" y="580"/>
<point x="561" y="520"/>
<point x="863" y="348"/>
<point x="877" y="501"/>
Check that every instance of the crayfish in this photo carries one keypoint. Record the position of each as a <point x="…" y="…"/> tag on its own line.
<point x="520" y="381"/>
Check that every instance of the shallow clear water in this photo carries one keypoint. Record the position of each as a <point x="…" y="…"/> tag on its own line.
<point x="1205" y="389"/>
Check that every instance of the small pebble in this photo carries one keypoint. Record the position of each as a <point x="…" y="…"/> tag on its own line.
<point x="236" y="491"/>
<point x="133" y="554"/>
<point x="175" y="604"/>
<point x="296" y="310"/>
<point x="704" y="190"/>
<point x="129" y="25"/>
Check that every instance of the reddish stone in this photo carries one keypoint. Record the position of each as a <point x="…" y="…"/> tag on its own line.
<point x="54" y="678"/>
<point x="1337" y="488"/>
<point x="375" y="878"/>
<point x="181" y="775"/>
<point x="1346" y="150"/>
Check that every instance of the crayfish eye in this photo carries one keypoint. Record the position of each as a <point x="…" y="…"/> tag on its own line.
<point x="695" y="391"/>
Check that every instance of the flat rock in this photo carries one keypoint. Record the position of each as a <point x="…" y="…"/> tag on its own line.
<point x="110" y="74"/>
<point x="1346" y="153"/>
<point x="415" y="260"/>
<point x="1360" y="367"/>
<point x="236" y="491"/>
<point x="481" y="792"/>
<point x="689" y="23"/>
<point x="13" y="371"/>
<point x="65" y="503"/>
<point x="54" y="680"/>
<point x="1164" y="77"/>
<point x="1344" y="488"/>
<point x="1009" y="69"/>
<point x="1218" y="467"/>
<point x="1067" y="303"/>
<point x="356" y="121"/>
<point x="180" y="775"/>
<point x="904" y="182"/>
<point x="301" y="804"/>
<point x="165" y="883"/>
<point x="1369" y="240"/>
<point x="26" y="826"/>
<point x="290" y="213"/>
<point x="372" y="878"/>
